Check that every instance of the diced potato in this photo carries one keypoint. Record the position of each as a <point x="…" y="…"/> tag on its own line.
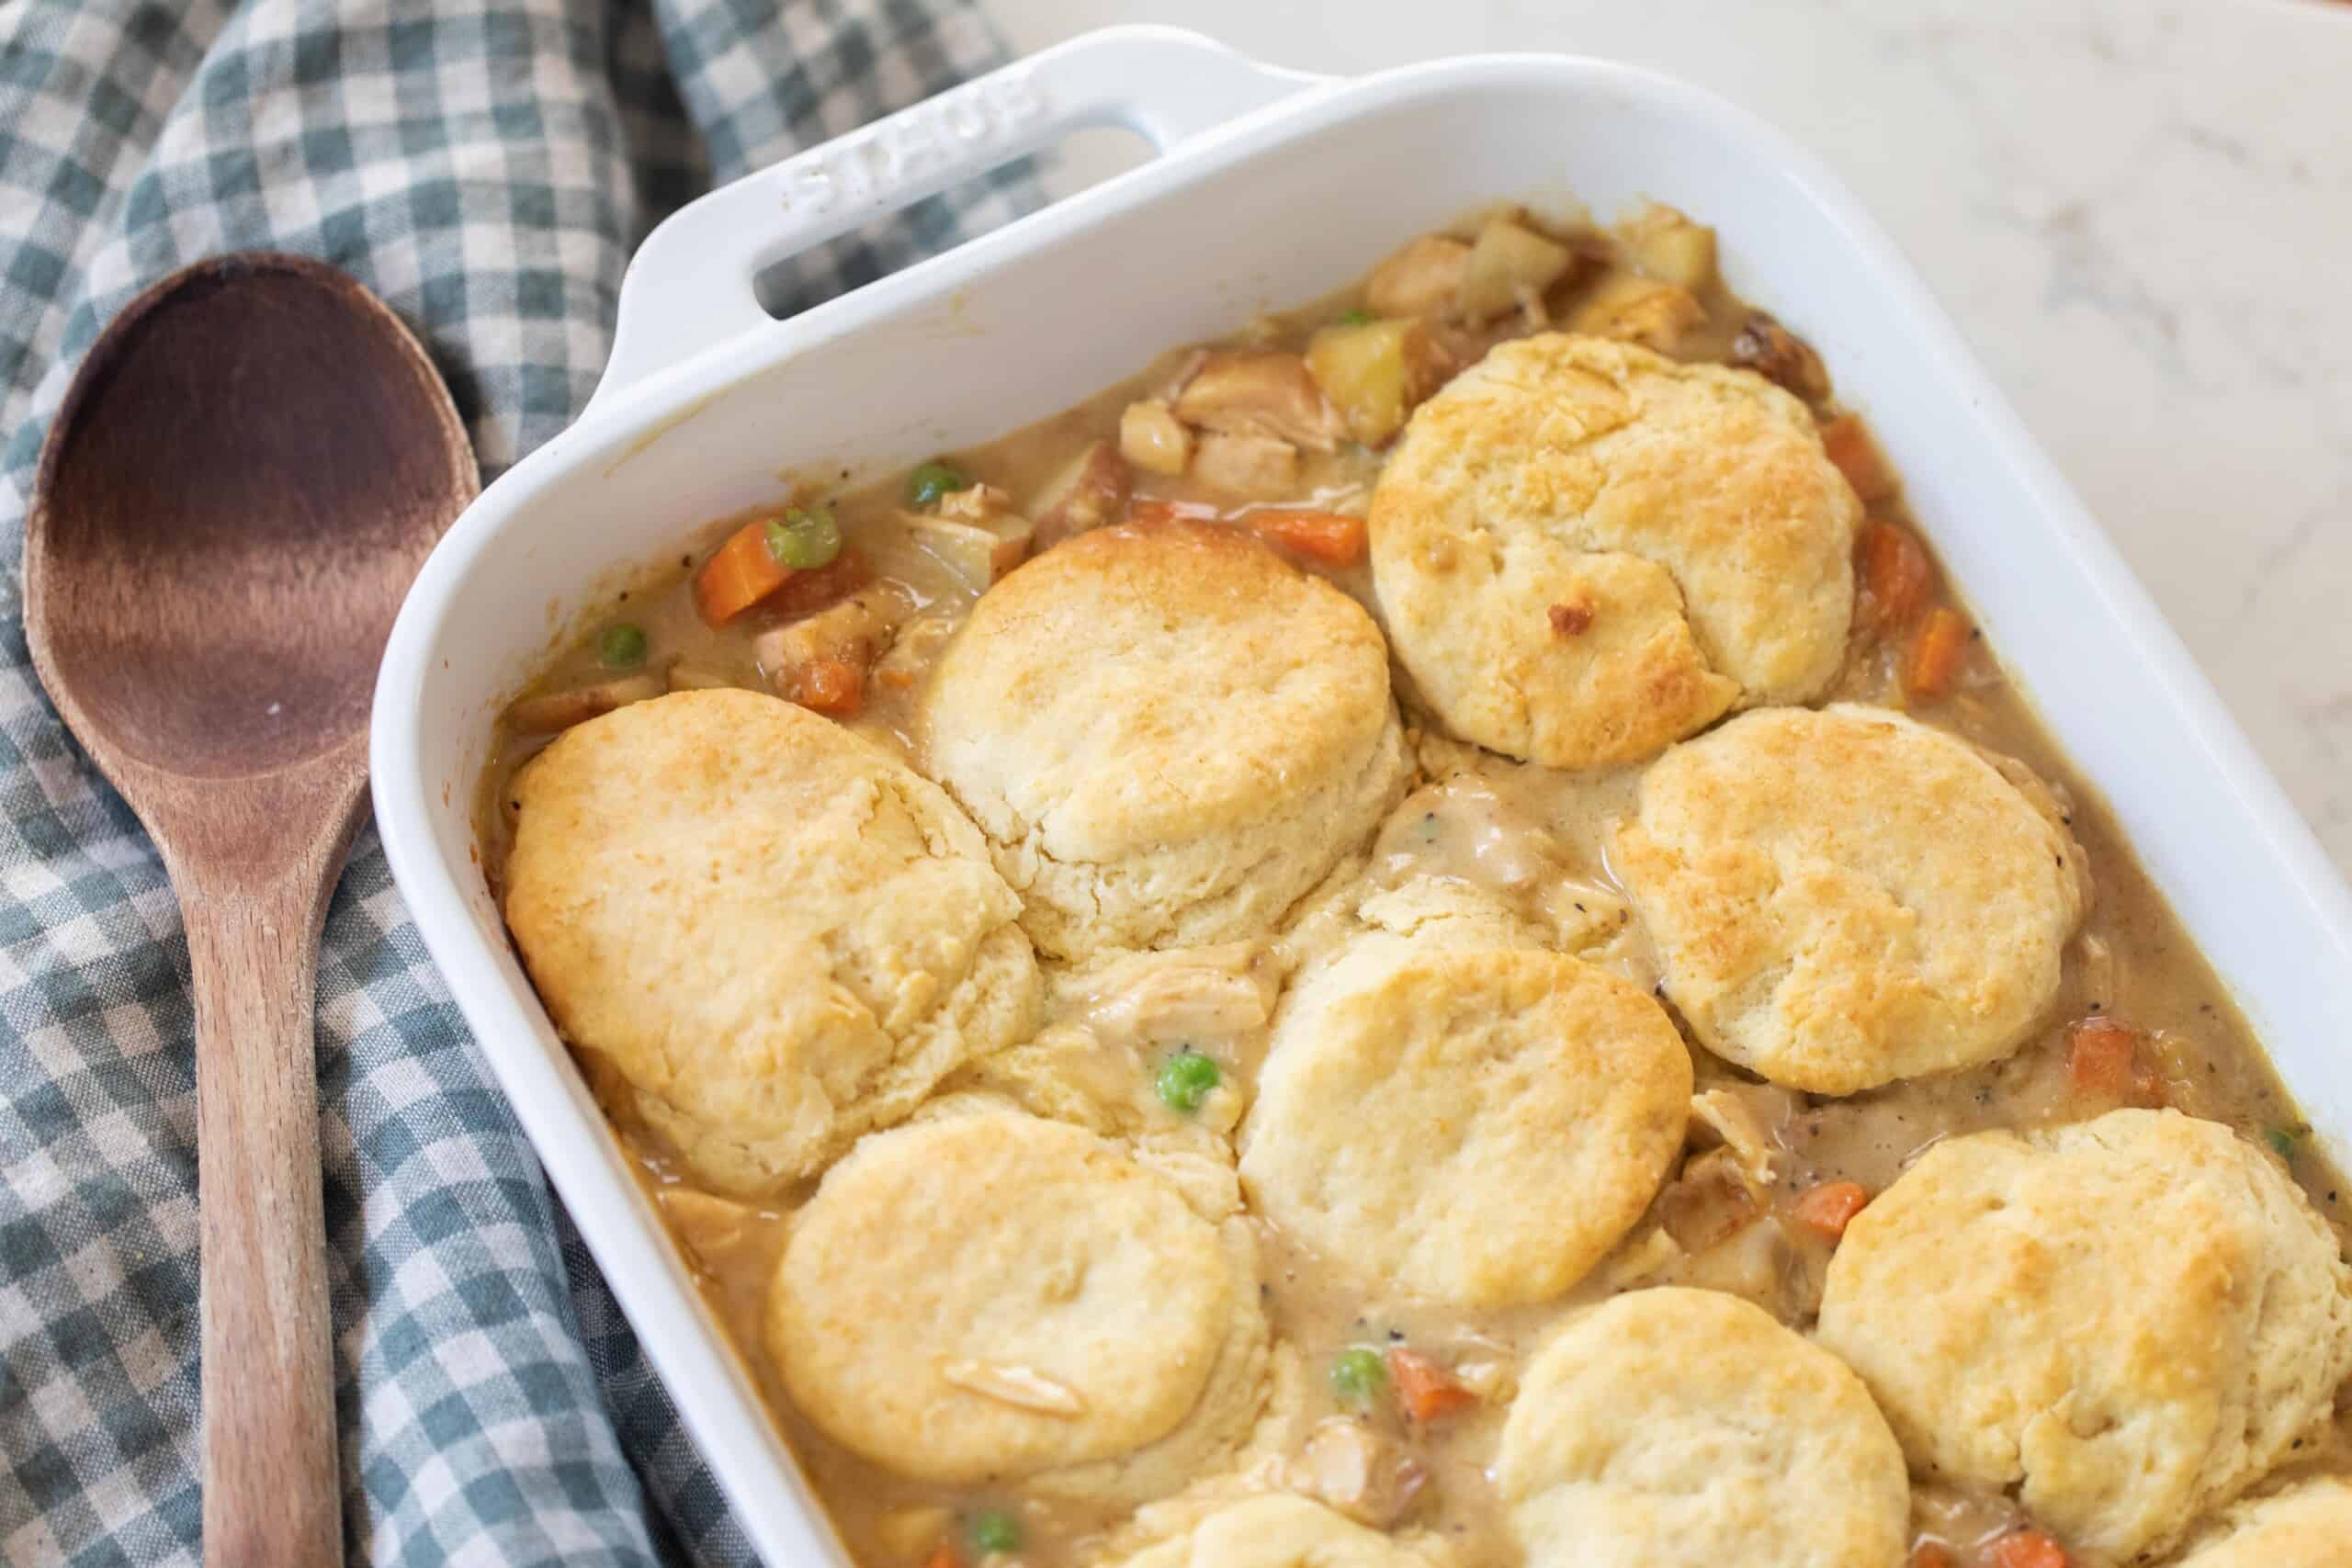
<point x="1263" y="394"/>
<point x="551" y="711"/>
<point x="1086" y="493"/>
<point x="1153" y="439"/>
<point x="1508" y="257"/>
<point x="1256" y="467"/>
<point x="1418" y="279"/>
<point x="1375" y="373"/>
<point x="980" y="553"/>
<point x="1639" y="310"/>
<point x="1664" y="244"/>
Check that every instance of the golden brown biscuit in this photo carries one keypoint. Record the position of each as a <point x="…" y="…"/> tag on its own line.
<point x="1584" y="550"/>
<point x="1282" y="1531"/>
<point x="1845" y="897"/>
<point x="2306" y="1526"/>
<point x="989" y="1297"/>
<point x="2126" y="1322"/>
<point x="1475" y="1126"/>
<point x="1679" y="1429"/>
<point x="766" y="935"/>
<point x="1169" y="733"/>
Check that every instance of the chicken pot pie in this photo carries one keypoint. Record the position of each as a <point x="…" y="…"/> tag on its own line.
<point x="1422" y="937"/>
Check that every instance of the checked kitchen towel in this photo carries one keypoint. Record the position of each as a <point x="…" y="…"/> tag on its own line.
<point x="486" y="165"/>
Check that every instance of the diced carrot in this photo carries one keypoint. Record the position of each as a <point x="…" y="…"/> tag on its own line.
<point x="1150" y="510"/>
<point x="944" y="1555"/>
<point x="1848" y="441"/>
<point x="807" y="591"/>
<point x="833" y="686"/>
<point x="2098" y="1058"/>
<point x="1425" y="1389"/>
<point x="742" y="572"/>
<point x="1895" y="572"/>
<point x="1933" y="1554"/>
<point x="2104" y="1063"/>
<point x="2028" y="1549"/>
<point x="1333" y="537"/>
<point x="1935" y="654"/>
<point x="1828" y="1208"/>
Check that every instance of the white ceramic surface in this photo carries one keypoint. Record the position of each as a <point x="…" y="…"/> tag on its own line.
<point x="1021" y="322"/>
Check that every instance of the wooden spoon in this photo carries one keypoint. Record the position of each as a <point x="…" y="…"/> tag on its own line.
<point x="250" y="467"/>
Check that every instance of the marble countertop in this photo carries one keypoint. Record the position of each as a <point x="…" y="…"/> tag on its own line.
<point x="2140" y="211"/>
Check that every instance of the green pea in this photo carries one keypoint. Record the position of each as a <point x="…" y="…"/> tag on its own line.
<point x="804" y="538"/>
<point x="1185" y="1080"/>
<point x="931" y="481"/>
<point x="1359" y="317"/>
<point x="1358" y="1374"/>
<point x="623" y="645"/>
<point x="2283" y="1140"/>
<point x="995" y="1531"/>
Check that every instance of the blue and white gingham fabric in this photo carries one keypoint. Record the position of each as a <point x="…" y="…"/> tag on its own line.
<point x="486" y="165"/>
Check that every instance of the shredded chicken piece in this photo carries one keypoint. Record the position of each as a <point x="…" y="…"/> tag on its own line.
<point x="551" y="711"/>
<point x="1085" y="494"/>
<point x="1260" y="394"/>
<point x="1358" y="1472"/>
<point x="1257" y="468"/>
<point x="1708" y="1201"/>
<point x="912" y="652"/>
<point x="1741" y="1119"/>
<point x="1213" y="993"/>
<point x="1023" y="1386"/>
<point x="852" y="631"/>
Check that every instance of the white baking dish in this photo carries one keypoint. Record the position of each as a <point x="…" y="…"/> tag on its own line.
<point x="1270" y="187"/>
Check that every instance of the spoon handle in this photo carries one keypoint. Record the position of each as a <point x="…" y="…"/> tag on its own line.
<point x="270" y="1493"/>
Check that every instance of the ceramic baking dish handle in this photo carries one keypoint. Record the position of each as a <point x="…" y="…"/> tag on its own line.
<point x="691" y="283"/>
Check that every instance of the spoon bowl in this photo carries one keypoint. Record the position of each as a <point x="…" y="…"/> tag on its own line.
<point x="252" y="464"/>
